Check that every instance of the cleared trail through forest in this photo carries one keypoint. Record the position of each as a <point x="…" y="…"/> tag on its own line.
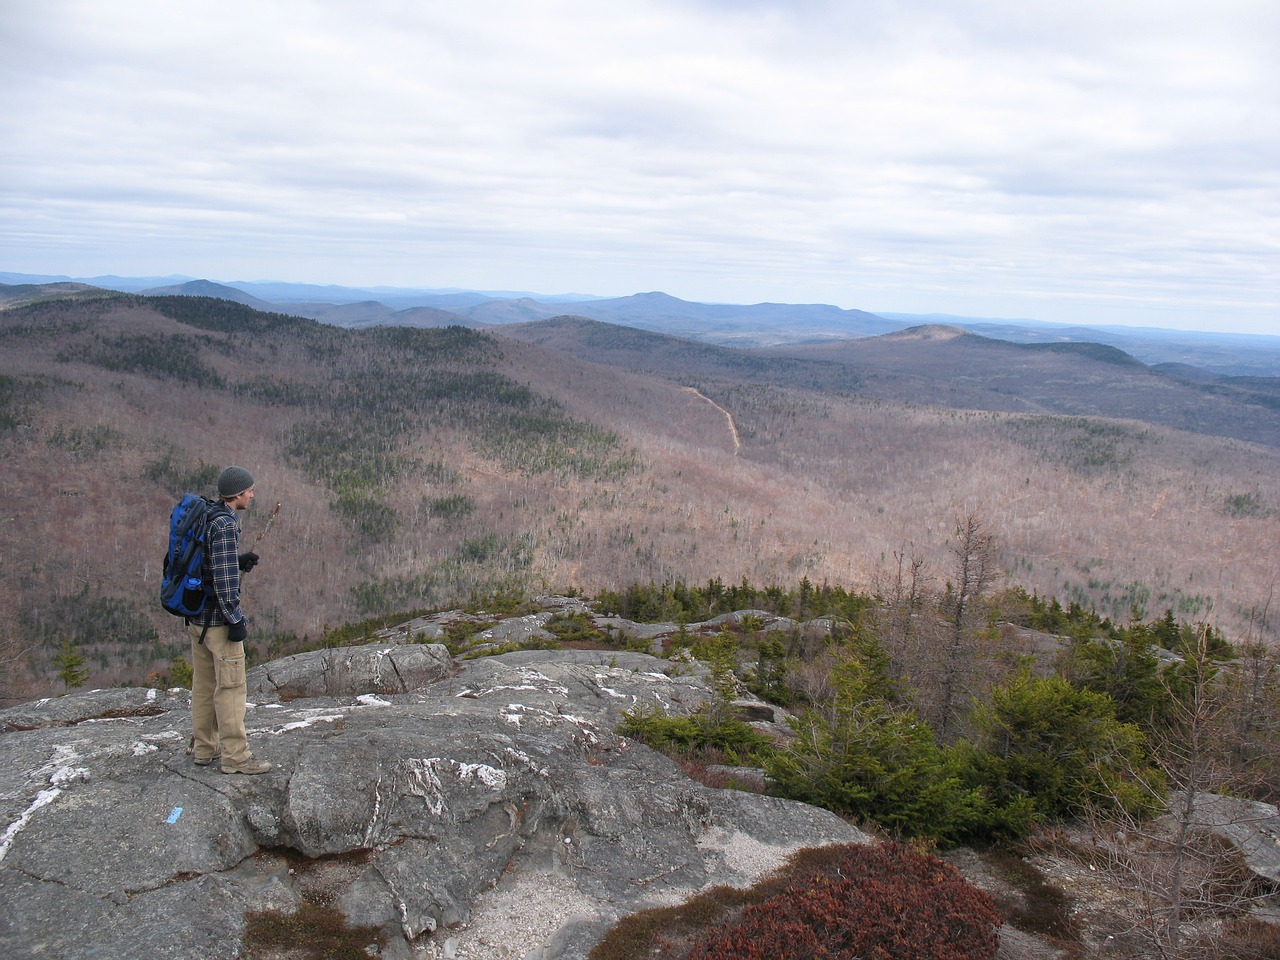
<point x="733" y="427"/>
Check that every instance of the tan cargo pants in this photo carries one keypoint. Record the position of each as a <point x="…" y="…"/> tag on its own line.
<point x="217" y="696"/>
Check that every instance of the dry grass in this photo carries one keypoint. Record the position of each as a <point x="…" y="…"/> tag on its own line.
<point x="317" y="930"/>
<point x="310" y="933"/>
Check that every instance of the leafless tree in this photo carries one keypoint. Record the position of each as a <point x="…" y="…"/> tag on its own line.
<point x="903" y="591"/>
<point x="975" y="570"/>
<point x="13" y="664"/>
<point x="1181" y="876"/>
<point x="1251" y="727"/>
<point x="1252" y="731"/>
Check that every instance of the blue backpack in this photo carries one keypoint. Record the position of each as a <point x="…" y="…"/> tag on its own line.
<point x="183" y="591"/>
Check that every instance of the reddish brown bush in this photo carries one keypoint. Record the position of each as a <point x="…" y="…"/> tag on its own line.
<point x="875" y="903"/>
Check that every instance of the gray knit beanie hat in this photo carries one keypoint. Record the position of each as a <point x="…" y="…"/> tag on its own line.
<point x="234" y="481"/>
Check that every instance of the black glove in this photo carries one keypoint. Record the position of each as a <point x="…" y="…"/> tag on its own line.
<point x="247" y="561"/>
<point x="237" y="632"/>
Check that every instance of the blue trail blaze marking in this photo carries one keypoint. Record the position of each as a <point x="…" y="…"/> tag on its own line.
<point x="173" y="817"/>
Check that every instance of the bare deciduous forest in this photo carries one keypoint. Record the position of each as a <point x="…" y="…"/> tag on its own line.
<point x="418" y="468"/>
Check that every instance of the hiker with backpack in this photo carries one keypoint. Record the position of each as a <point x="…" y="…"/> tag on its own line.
<point x="218" y="632"/>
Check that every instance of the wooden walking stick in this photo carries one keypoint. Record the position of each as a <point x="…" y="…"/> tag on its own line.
<point x="270" y="520"/>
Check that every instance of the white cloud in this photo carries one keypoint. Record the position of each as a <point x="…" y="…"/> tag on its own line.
<point x="1113" y="162"/>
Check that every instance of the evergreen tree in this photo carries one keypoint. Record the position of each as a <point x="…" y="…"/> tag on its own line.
<point x="861" y="755"/>
<point x="71" y="666"/>
<point x="1061" y="747"/>
<point x="1125" y="669"/>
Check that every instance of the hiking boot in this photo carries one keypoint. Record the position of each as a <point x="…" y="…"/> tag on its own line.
<point x="250" y="765"/>
<point x="205" y="761"/>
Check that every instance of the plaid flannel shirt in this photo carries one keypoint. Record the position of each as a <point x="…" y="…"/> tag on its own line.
<point x="222" y="571"/>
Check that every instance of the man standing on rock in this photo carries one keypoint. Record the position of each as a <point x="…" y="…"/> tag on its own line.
<point x="217" y="638"/>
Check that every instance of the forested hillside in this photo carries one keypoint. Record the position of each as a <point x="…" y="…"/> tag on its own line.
<point x="948" y="367"/>
<point x="416" y="468"/>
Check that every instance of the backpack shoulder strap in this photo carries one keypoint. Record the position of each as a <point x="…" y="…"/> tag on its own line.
<point x="215" y="509"/>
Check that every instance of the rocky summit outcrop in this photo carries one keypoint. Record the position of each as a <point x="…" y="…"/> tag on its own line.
<point x="479" y="808"/>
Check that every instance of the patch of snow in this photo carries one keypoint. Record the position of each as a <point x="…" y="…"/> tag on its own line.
<point x="65" y="775"/>
<point x="43" y="799"/>
<point x="165" y="735"/>
<point x="315" y="716"/>
<point x="525" y="760"/>
<point x="61" y="766"/>
<point x="517" y="712"/>
<point x="485" y="691"/>
<point x="491" y="777"/>
<point x="424" y="781"/>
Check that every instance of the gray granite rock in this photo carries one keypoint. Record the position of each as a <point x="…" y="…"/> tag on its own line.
<point x="412" y="783"/>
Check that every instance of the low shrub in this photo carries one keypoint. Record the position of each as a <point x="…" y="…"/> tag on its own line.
<point x="578" y="630"/>
<point x="840" y="902"/>
<point x="694" y="734"/>
<point x="313" y="932"/>
<point x="888" y="902"/>
<point x="1249" y="939"/>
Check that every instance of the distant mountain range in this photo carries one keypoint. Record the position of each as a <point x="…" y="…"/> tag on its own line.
<point x="1189" y="354"/>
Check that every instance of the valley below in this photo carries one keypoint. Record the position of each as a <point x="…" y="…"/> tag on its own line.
<point x="416" y="468"/>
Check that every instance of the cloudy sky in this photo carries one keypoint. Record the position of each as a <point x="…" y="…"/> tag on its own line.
<point x="1100" y="161"/>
